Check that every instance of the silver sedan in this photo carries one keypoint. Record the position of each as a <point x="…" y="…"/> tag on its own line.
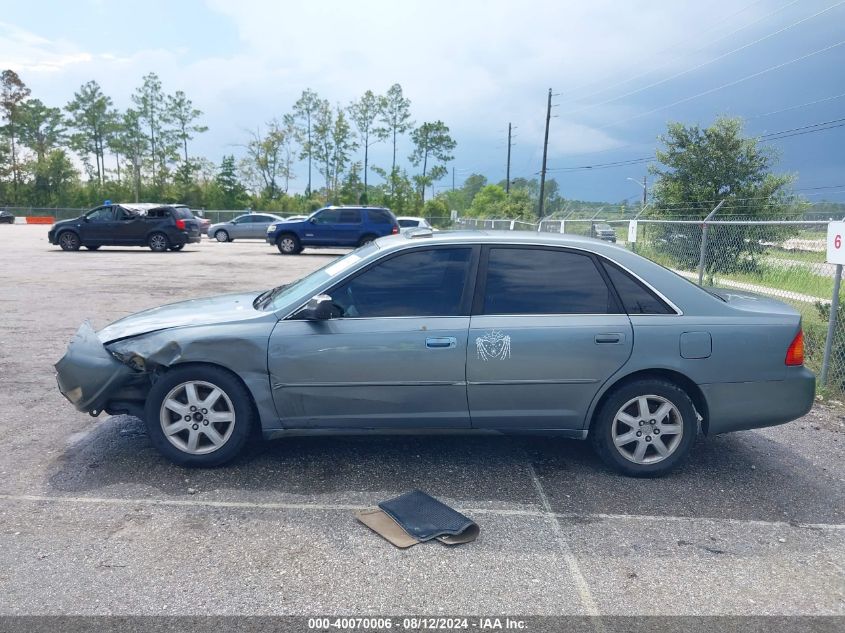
<point x="248" y="226"/>
<point x="471" y="331"/>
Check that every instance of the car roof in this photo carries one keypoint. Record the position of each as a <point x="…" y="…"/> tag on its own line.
<point x="409" y="217"/>
<point x="146" y="206"/>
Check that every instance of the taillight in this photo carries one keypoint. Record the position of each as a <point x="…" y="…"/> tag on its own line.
<point x="180" y="224"/>
<point x="395" y="229"/>
<point x="795" y="352"/>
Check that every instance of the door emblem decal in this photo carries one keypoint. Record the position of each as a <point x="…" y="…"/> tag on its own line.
<point x="494" y="344"/>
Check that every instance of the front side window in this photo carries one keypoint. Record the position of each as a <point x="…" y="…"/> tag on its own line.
<point x="544" y="281"/>
<point x="420" y="283"/>
<point x="328" y="216"/>
<point x="103" y="214"/>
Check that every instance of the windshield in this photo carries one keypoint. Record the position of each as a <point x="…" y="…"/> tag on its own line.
<point x="305" y="288"/>
<point x="406" y="223"/>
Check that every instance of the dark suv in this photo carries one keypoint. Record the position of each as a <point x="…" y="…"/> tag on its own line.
<point x="160" y="227"/>
<point x="333" y="226"/>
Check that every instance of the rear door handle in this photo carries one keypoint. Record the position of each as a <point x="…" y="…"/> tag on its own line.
<point x="608" y="338"/>
<point x="444" y="342"/>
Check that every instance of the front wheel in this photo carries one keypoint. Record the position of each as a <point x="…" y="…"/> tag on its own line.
<point x="288" y="244"/>
<point x="221" y="236"/>
<point x="158" y="242"/>
<point x="645" y="429"/>
<point x="69" y="241"/>
<point x="199" y="415"/>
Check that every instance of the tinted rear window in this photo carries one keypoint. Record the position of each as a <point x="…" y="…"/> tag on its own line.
<point x="350" y="216"/>
<point x="182" y="212"/>
<point x="545" y="281"/>
<point x="380" y="216"/>
<point x="636" y="298"/>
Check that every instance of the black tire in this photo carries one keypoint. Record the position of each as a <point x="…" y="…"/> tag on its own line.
<point x="367" y="239"/>
<point x="244" y="421"/>
<point x="177" y="247"/>
<point x="158" y="242"/>
<point x="92" y="248"/>
<point x="222" y="236"/>
<point x="69" y="241"/>
<point x="603" y="429"/>
<point x="288" y="244"/>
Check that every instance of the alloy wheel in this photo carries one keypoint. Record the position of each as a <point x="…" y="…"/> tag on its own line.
<point x="647" y="429"/>
<point x="68" y="241"/>
<point x="287" y="245"/>
<point x="197" y="417"/>
<point x="158" y="242"/>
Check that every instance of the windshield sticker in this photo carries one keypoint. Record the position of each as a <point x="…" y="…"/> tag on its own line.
<point x="495" y="345"/>
<point x="342" y="265"/>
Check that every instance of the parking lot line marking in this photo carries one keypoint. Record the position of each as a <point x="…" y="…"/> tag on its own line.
<point x="571" y="561"/>
<point x="280" y="505"/>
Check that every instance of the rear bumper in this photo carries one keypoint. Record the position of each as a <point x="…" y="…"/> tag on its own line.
<point x="88" y="374"/>
<point x="185" y="238"/>
<point x="737" y="406"/>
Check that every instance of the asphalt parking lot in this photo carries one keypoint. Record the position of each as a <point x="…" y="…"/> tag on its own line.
<point x="94" y="521"/>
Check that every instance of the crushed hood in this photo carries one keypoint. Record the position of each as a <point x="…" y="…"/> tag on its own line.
<point x="209" y="311"/>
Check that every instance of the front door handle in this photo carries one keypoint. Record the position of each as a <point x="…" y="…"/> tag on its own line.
<point x="608" y="338"/>
<point x="444" y="342"/>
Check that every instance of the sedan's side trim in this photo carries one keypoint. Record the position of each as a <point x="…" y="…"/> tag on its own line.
<point x="555" y="381"/>
<point x="392" y="383"/>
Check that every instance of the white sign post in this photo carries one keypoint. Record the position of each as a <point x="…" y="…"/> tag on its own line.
<point x="835" y="255"/>
<point x="632" y="231"/>
<point x="835" y="246"/>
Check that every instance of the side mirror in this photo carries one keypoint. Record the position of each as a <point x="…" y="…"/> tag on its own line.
<point x="319" y="308"/>
<point x="312" y="220"/>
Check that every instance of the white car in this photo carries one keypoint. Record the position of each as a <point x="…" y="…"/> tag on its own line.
<point x="406" y="223"/>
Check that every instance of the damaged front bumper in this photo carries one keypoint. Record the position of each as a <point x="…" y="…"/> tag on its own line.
<point x="90" y="376"/>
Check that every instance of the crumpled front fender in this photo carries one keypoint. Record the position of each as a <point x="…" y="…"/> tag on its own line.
<point x="88" y="373"/>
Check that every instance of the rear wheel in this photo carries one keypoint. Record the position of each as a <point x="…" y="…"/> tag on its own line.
<point x="645" y="429"/>
<point x="366" y="239"/>
<point x="177" y="247"/>
<point x="288" y="244"/>
<point x="158" y="242"/>
<point x="93" y="248"/>
<point x="199" y="415"/>
<point x="221" y="236"/>
<point x="69" y="241"/>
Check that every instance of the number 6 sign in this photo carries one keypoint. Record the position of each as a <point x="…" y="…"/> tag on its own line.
<point x="835" y="252"/>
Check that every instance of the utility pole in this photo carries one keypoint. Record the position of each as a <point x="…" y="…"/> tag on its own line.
<point x="508" y="171"/>
<point x="645" y="191"/>
<point x="545" y="154"/>
<point x="453" y="177"/>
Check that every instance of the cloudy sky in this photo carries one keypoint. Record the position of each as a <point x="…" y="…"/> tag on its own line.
<point x="620" y="71"/>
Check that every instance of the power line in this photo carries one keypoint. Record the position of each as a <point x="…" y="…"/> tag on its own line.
<point x="684" y="44"/>
<point x="796" y="107"/>
<point x="727" y="85"/>
<point x="707" y="63"/>
<point x="811" y="128"/>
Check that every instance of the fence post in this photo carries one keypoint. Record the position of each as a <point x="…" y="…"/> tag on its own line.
<point x="831" y="325"/>
<point x="703" y="253"/>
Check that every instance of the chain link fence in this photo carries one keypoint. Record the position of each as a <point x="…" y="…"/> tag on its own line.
<point x="784" y="259"/>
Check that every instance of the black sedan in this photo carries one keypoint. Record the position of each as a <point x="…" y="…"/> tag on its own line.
<point x="6" y="217"/>
<point x="161" y="228"/>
